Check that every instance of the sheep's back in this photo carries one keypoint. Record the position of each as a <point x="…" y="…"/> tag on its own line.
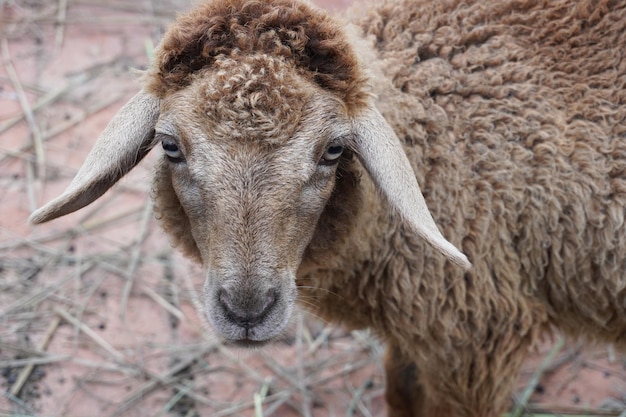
<point x="513" y="115"/>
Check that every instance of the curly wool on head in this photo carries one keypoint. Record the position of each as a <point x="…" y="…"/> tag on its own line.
<point x="291" y="30"/>
<point x="253" y="97"/>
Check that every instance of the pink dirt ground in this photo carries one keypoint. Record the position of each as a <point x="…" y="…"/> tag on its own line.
<point x="130" y="341"/>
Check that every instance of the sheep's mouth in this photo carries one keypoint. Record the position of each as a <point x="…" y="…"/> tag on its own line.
<point x="247" y="343"/>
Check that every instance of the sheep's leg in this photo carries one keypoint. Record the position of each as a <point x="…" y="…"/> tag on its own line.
<point x="474" y="383"/>
<point x="404" y="395"/>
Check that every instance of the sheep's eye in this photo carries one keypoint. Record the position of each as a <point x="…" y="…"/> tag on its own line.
<point x="332" y="155"/>
<point x="172" y="150"/>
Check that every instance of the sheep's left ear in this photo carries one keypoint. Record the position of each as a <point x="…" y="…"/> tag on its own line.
<point x="382" y="155"/>
<point x="123" y="143"/>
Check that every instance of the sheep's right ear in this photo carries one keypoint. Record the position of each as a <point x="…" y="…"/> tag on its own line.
<point x="124" y="142"/>
<point x="382" y="155"/>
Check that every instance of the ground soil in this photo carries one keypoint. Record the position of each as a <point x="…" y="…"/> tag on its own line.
<point x="100" y="317"/>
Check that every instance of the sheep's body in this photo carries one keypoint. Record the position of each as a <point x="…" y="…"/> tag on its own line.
<point x="514" y="118"/>
<point x="512" y="115"/>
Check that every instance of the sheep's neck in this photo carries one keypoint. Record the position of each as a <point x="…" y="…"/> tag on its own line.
<point x="343" y="279"/>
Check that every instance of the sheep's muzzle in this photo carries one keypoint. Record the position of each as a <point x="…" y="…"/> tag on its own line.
<point x="249" y="312"/>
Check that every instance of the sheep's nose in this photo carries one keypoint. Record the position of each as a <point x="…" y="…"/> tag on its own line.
<point x="245" y="310"/>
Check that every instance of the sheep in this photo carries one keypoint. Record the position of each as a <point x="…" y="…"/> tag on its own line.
<point x="294" y="144"/>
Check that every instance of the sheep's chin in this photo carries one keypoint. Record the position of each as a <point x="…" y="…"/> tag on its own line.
<point x="248" y="343"/>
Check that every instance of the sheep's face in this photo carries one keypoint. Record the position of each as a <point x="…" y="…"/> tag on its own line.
<point x="252" y="153"/>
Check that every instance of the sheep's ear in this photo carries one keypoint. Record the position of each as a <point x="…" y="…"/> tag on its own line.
<point x="123" y="143"/>
<point x="381" y="153"/>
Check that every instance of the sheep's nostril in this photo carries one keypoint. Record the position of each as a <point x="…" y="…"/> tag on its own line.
<point x="224" y="298"/>
<point x="244" y="310"/>
<point x="270" y="300"/>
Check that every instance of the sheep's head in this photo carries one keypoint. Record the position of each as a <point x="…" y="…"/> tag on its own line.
<point x="257" y="106"/>
<point x="251" y="153"/>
